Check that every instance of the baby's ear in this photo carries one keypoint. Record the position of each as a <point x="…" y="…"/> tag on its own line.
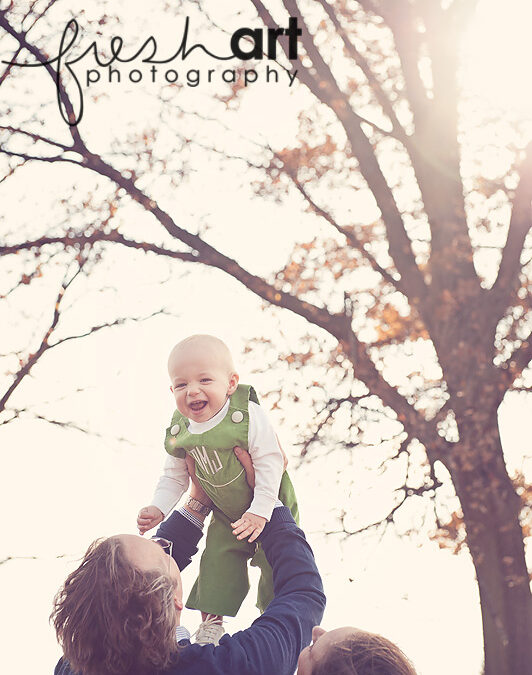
<point x="233" y="383"/>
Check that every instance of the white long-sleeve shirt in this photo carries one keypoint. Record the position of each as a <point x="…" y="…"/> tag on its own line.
<point x="266" y="457"/>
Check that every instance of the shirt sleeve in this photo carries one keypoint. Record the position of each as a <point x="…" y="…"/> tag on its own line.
<point x="172" y="484"/>
<point x="267" y="459"/>
<point x="273" y="642"/>
<point x="183" y="534"/>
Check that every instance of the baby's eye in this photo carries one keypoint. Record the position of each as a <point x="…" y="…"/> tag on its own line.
<point x="179" y="386"/>
<point x="206" y="379"/>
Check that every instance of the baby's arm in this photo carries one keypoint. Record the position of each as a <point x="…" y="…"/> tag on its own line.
<point x="268" y="462"/>
<point x="171" y="486"/>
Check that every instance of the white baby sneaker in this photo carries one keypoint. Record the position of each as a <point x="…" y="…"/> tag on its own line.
<point x="209" y="632"/>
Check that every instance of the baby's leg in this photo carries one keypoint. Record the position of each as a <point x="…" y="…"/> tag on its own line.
<point x="223" y="580"/>
<point x="265" y="589"/>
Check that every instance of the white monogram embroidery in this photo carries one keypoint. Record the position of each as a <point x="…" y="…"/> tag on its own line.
<point x="208" y="464"/>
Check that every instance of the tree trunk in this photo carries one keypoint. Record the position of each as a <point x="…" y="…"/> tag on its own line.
<point x="491" y="513"/>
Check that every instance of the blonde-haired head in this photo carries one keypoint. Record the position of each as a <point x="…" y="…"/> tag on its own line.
<point x="202" y="343"/>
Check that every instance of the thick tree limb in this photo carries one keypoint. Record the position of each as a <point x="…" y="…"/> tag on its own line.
<point x="434" y="149"/>
<point x="80" y="240"/>
<point x="327" y="91"/>
<point x="415" y="425"/>
<point x="507" y="282"/>
<point x="399" y="17"/>
<point x="398" y="131"/>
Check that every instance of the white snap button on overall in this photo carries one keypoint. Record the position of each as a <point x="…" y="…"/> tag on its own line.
<point x="175" y="430"/>
<point x="237" y="416"/>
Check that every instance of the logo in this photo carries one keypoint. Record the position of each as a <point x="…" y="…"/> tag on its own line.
<point x="246" y="44"/>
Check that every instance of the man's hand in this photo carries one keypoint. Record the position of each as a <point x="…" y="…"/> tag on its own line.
<point x="149" y="517"/>
<point x="250" y="525"/>
<point x="245" y="459"/>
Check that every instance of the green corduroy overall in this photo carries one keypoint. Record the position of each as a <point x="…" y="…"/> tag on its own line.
<point x="223" y="581"/>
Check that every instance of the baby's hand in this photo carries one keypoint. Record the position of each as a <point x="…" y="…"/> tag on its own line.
<point x="249" y="524"/>
<point x="149" y="517"/>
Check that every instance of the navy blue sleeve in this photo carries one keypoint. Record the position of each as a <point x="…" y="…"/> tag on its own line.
<point x="274" y="640"/>
<point x="272" y="644"/>
<point x="184" y="535"/>
<point x="62" y="667"/>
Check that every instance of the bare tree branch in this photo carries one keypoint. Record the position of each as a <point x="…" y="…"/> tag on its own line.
<point x="79" y="240"/>
<point x="43" y="347"/>
<point x="390" y="517"/>
<point x="63" y="97"/>
<point x="398" y="131"/>
<point x="35" y="137"/>
<point x="348" y="233"/>
<point x="47" y="343"/>
<point x="327" y="91"/>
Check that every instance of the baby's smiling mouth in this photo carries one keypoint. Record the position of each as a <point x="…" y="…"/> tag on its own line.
<point x="196" y="406"/>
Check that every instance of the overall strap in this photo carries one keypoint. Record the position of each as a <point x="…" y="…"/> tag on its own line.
<point x="243" y="394"/>
<point x="178" y="418"/>
<point x="178" y="425"/>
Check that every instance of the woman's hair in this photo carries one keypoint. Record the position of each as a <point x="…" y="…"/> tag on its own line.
<point x="114" y="619"/>
<point x="364" y="654"/>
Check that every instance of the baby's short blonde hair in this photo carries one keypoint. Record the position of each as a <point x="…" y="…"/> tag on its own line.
<point x="205" y="342"/>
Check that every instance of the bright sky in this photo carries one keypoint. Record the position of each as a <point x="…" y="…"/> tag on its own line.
<point x="62" y="489"/>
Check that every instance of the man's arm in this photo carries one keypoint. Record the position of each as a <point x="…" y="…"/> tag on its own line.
<point x="274" y="641"/>
<point x="185" y="536"/>
<point x="184" y="528"/>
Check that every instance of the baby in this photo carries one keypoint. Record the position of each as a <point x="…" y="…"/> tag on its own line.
<point x="214" y="414"/>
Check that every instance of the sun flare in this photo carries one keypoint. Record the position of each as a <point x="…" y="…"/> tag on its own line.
<point x="497" y="56"/>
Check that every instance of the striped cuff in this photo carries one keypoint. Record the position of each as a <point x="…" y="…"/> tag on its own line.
<point x="195" y="521"/>
<point x="181" y="633"/>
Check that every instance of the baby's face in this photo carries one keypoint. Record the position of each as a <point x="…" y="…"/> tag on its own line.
<point x="200" y="382"/>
